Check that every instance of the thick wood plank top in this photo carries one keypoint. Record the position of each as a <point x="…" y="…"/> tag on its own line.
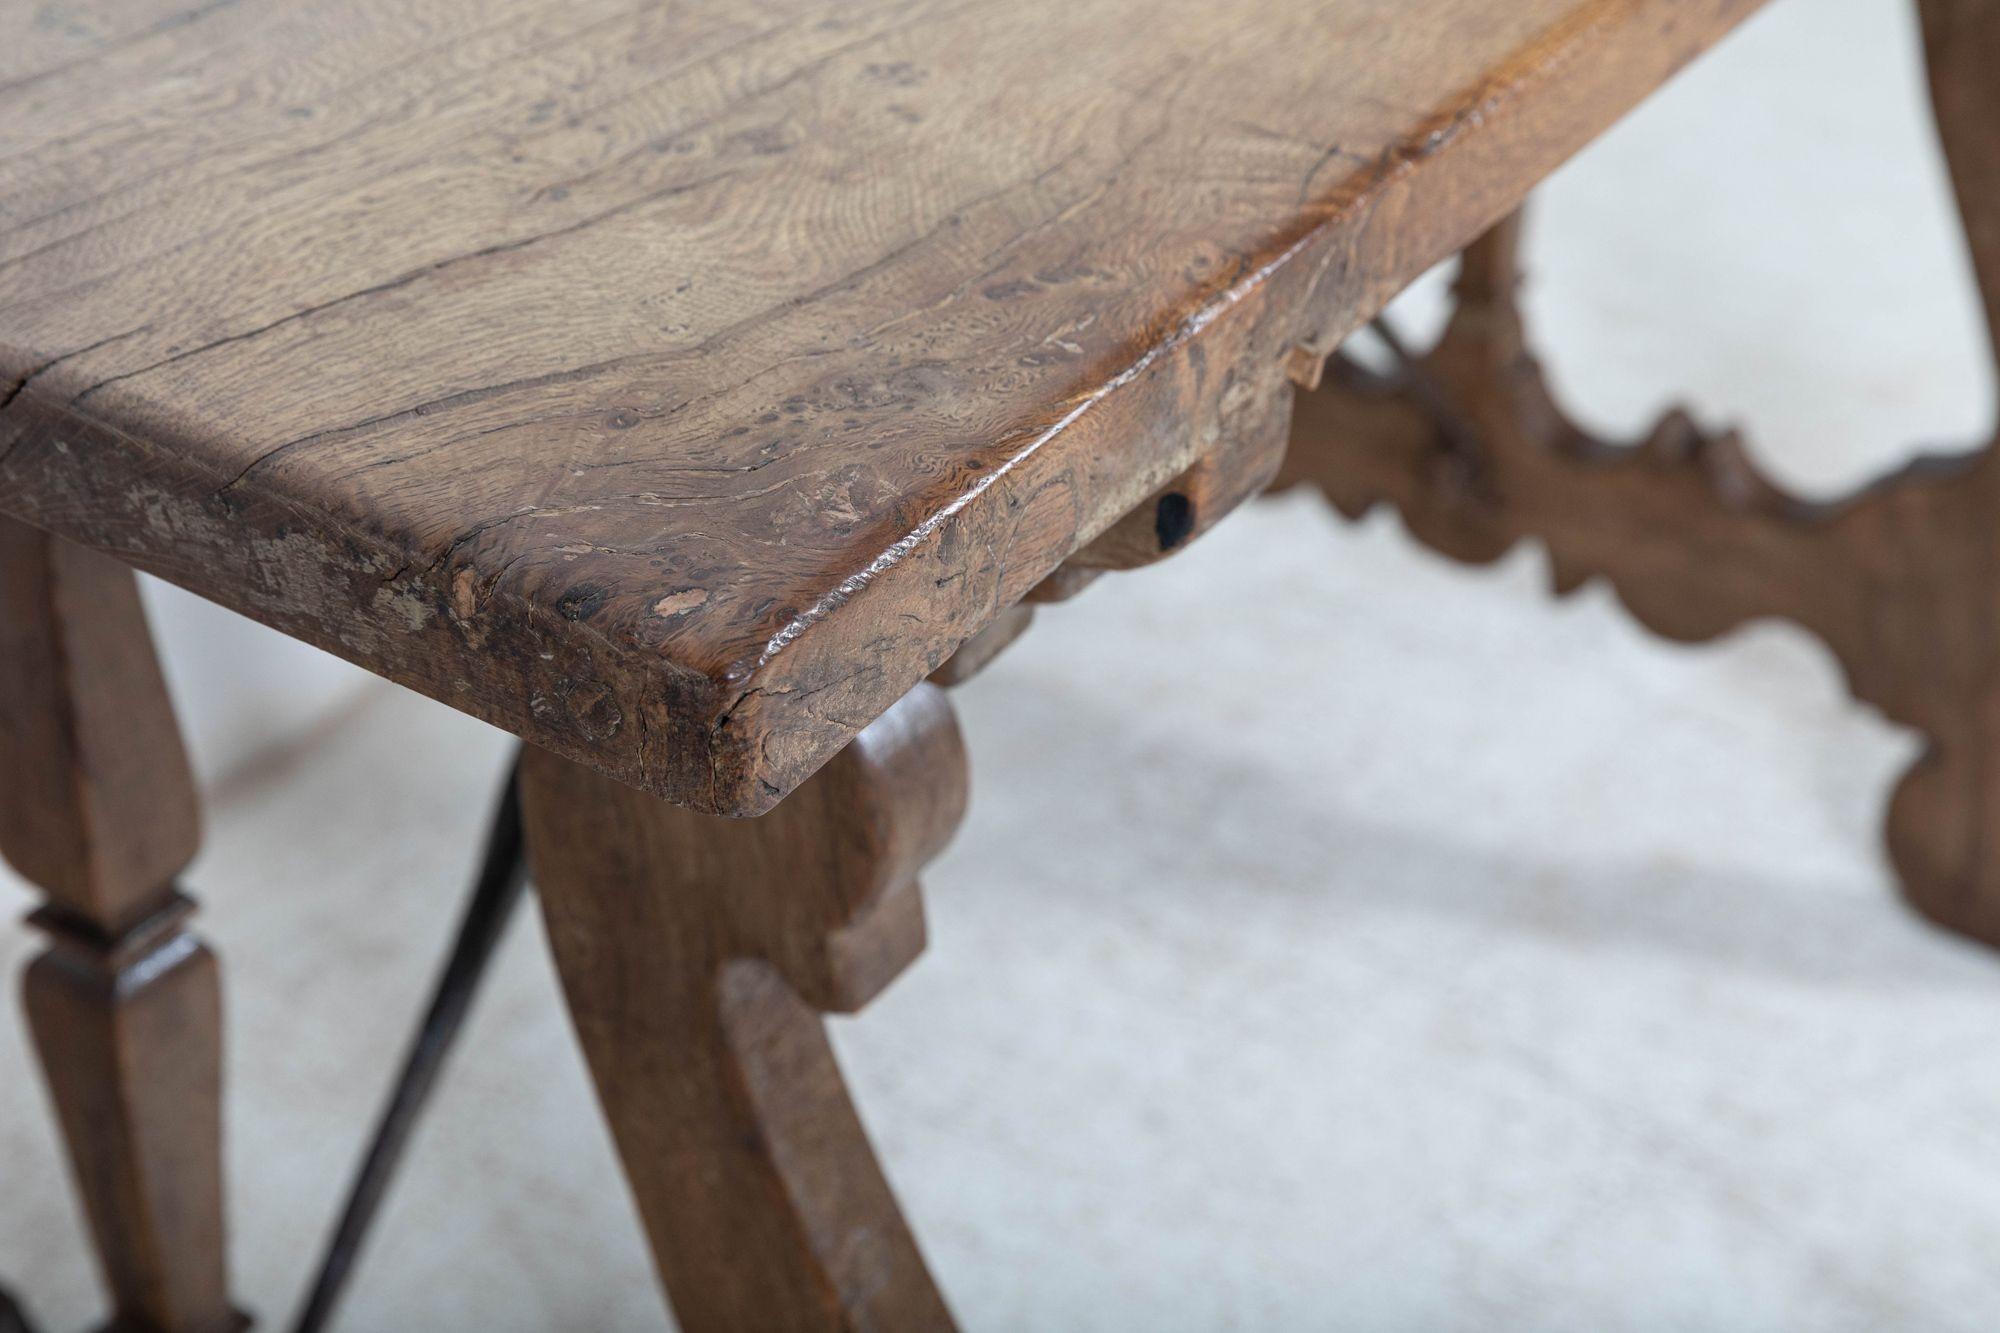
<point x="677" y="384"/>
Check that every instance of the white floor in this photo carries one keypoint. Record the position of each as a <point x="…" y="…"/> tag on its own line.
<point x="1340" y="939"/>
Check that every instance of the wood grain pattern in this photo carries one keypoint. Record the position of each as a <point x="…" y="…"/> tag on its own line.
<point x="697" y="954"/>
<point x="677" y="386"/>
<point x="1901" y="581"/>
<point x="125" y="1007"/>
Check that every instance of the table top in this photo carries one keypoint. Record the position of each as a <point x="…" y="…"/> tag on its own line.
<point x="676" y="385"/>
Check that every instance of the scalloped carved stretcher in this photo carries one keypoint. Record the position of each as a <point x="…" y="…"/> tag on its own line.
<point x="1901" y="580"/>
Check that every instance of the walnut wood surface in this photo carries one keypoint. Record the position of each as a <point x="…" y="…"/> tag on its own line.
<point x="697" y="954"/>
<point x="125" y="1007"/>
<point x="677" y="386"/>
<point x="1902" y="581"/>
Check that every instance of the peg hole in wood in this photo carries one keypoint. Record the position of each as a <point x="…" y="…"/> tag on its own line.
<point x="1173" y="519"/>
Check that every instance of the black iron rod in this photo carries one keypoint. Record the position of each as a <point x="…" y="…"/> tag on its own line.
<point x="12" y="1318"/>
<point x="503" y="873"/>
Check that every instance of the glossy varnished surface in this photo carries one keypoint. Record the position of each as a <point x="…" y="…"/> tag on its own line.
<point x="676" y="385"/>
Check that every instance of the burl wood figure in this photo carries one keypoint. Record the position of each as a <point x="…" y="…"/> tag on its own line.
<point x="696" y="392"/>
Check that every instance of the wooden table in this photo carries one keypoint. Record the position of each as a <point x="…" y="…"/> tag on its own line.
<point x="692" y="390"/>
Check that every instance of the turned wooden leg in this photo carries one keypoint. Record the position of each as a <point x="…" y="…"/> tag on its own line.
<point x="1901" y="581"/>
<point x="697" y="955"/>
<point x="124" y="1007"/>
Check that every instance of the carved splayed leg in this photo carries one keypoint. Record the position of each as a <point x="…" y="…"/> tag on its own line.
<point x="697" y="954"/>
<point x="1902" y="581"/>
